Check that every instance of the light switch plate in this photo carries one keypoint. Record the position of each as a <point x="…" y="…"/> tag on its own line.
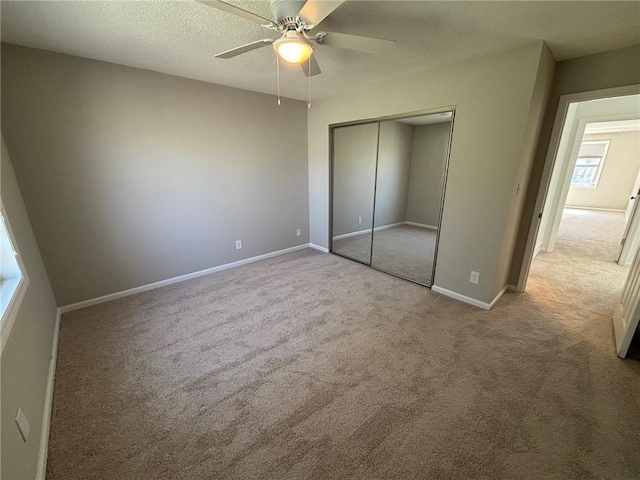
<point x="23" y="424"/>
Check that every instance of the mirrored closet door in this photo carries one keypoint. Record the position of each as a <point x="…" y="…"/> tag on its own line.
<point x="408" y="160"/>
<point x="355" y="149"/>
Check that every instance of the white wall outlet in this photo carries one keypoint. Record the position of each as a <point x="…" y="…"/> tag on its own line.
<point x="359" y="219"/>
<point x="297" y="232"/>
<point x="238" y="244"/>
<point x="474" y="277"/>
<point x="23" y="424"/>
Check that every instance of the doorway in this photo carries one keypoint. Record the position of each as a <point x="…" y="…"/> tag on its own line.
<point x="588" y="232"/>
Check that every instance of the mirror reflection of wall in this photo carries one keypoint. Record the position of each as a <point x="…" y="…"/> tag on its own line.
<point x="409" y="180"/>
<point x="355" y="149"/>
<point x="412" y="162"/>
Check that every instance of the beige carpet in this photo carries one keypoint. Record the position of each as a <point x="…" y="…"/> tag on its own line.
<point x="582" y="270"/>
<point x="357" y="247"/>
<point x="404" y="250"/>
<point x="311" y="366"/>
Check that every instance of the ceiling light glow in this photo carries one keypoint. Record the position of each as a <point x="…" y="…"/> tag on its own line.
<point x="293" y="47"/>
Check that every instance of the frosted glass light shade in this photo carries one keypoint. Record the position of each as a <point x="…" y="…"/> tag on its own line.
<point x="293" y="48"/>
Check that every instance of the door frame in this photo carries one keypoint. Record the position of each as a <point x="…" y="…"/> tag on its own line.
<point x="631" y="230"/>
<point x="626" y="316"/>
<point x="630" y="237"/>
<point x="549" y="164"/>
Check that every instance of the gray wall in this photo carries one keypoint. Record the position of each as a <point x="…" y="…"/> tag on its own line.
<point x="486" y="160"/>
<point x="618" y="176"/>
<point x="394" y="163"/>
<point x="611" y="69"/>
<point x="131" y="177"/>
<point x="428" y="161"/>
<point x="354" y="165"/>
<point x="518" y="184"/>
<point x="27" y="354"/>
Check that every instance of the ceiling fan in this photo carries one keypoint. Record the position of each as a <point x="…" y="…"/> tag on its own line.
<point x="295" y="19"/>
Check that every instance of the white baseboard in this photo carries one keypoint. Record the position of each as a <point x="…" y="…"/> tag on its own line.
<point x="537" y="250"/>
<point x="318" y="247"/>
<point x="598" y="209"/>
<point x="499" y="295"/>
<point x="352" y="234"/>
<point x="421" y="225"/>
<point x="469" y="300"/>
<point x="462" y="298"/>
<point x="368" y="230"/>
<point x="48" y="402"/>
<point x="391" y="225"/>
<point x="181" y="278"/>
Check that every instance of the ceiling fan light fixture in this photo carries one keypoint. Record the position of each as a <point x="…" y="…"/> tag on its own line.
<point x="293" y="47"/>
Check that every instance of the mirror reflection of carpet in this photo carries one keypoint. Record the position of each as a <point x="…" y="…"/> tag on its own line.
<point x="405" y="250"/>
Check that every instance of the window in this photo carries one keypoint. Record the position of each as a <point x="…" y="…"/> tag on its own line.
<point x="12" y="279"/>
<point x="586" y="172"/>
<point x="589" y="164"/>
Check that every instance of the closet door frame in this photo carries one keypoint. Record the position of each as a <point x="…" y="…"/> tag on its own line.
<point x="400" y="116"/>
<point x="444" y="193"/>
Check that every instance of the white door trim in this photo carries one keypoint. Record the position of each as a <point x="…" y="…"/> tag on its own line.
<point x="627" y="312"/>
<point x="555" y="206"/>
<point x="630" y="239"/>
<point x="552" y="151"/>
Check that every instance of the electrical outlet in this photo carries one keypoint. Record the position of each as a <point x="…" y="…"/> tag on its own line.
<point x="297" y="232"/>
<point x="474" y="277"/>
<point x="359" y="219"/>
<point x="23" y="424"/>
<point x="238" y="244"/>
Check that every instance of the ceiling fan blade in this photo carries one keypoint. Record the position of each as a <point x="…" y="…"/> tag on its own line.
<point x="314" y="11"/>
<point x="245" y="48"/>
<point x="355" y="42"/>
<point x="225" y="7"/>
<point x="315" y="68"/>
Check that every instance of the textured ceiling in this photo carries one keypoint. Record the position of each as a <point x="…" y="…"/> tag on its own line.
<point x="181" y="37"/>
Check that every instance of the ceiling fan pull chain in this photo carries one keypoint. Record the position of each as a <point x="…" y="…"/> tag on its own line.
<point x="278" y="76"/>
<point x="309" y="77"/>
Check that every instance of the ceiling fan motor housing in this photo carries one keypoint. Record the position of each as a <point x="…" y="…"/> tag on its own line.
<point x="286" y="11"/>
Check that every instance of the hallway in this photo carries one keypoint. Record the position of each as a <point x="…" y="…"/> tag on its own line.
<point x="581" y="270"/>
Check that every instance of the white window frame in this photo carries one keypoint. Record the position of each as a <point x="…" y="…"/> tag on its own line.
<point x="606" y="144"/>
<point x="16" y="287"/>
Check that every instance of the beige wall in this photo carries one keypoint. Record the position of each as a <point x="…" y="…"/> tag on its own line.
<point x="536" y="111"/>
<point x="486" y="157"/>
<point x="392" y="181"/>
<point x="611" y="69"/>
<point x="26" y="356"/>
<point x="618" y="175"/>
<point x="428" y="161"/>
<point x="131" y="177"/>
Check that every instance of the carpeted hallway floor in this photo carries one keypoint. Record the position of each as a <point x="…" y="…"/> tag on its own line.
<point x="581" y="271"/>
<point x="311" y="366"/>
